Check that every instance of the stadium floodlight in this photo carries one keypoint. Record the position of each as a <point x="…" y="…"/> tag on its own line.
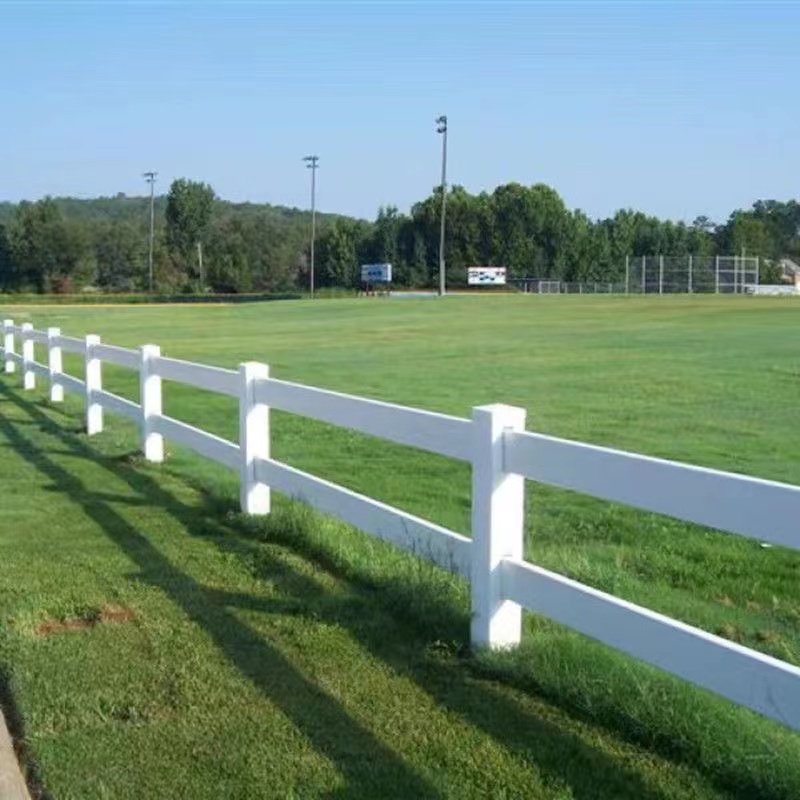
<point x="312" y="164"/>
<point x="150" y="177"/>
<point x="441" y="128"/>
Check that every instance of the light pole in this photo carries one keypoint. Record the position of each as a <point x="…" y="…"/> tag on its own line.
<point x="441" y="127"/>
<point x="311" y="163"/>
<point x="150" y="177"/>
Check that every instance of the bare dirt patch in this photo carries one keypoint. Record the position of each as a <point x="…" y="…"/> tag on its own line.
<point x="92" y="618"/>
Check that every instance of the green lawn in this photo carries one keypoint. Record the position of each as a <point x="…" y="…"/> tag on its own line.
<point x="294" y="657"/>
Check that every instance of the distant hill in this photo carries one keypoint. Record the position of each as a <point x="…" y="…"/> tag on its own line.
<point x="122" y="208"/>
<point x="102" y="242"/>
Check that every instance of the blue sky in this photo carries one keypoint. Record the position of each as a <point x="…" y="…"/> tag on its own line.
<point x="674" y="108"/>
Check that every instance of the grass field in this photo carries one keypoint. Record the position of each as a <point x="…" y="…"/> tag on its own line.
<point x="294" y="657"/>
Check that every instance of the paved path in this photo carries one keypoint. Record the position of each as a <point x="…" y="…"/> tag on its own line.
<point x="12" y="784"/>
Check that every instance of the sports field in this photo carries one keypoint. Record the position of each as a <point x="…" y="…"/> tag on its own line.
<point x="156" y="644"/>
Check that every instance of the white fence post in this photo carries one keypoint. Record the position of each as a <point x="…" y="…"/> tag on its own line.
<point x="498" y="500"/>
<point x="94" y="383"/>
<point x="55" y="364"/>
<point x="28" y="375"/>
<point x="254" y="438"/>
<point x="150" y="399"/>
<point x="8" y="344"/>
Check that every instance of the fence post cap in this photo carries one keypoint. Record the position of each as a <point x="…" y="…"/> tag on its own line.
<point x="254" y="369"/>
<point x="512" y="416"/>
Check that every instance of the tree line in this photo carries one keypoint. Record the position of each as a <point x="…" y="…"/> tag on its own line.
<point x="203" y="243"/>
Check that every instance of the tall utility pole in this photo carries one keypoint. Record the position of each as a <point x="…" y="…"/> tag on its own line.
<point x="311" y="163"/>
<point x="150" y="177"/>
<point x="441" y="127"/>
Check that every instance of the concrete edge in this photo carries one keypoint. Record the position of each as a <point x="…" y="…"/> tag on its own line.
<point x="12" y="783"/>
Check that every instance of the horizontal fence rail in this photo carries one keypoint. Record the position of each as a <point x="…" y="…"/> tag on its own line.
<point x="71" y="384"/>
<point x="443" y="547"/>
<point x="71" y="345"/>
<point x="120" y="356"/>
<point x="502" y="456"/>
<point x="723" y="500"/>
<point x="38" y="369"/>
<point x="206" y="444"/>
<point x="40" y="337"/>
<point x="752" y="679"/>
<point x="437" y="433"/>
<point x="116" y="404"/>
<point x="212" y="379"/>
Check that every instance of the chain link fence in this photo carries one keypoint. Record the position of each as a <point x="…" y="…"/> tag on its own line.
<point x="690" y="274"/>
<point x="663" y="275"/>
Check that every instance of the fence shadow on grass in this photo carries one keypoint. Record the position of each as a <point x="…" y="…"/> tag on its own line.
<point x="377" y="772"/>
<point x="373" y="613"/>
<point x="476" y="689"/>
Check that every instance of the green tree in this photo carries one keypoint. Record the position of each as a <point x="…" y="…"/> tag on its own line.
<point x="415" y="269"/>
<point x="751" y="236"/>
<point x="783" y="222"/>
<point x="512" y="243"/>
<point x="188" y="216"/>
<point x="580" y="253"/>
<point x="338" y="254"/>
<point x="531" y="230"/>
<point x="120" y="250"/>
<point x="229" y="269"/>
<point x="7" y="268"/>
<point x="425" y="239"/>
<point x="463" y="235"/>
<point x="49" y="253"/>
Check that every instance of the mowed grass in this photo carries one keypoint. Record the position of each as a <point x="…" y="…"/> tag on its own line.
<point x="296" y="657"/>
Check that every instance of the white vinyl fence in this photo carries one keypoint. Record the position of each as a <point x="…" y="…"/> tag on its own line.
<point x="502" y="455"/>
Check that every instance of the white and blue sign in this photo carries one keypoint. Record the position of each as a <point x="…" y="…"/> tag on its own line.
<point x="486" y="276"/>
<point x="376" y="273"/>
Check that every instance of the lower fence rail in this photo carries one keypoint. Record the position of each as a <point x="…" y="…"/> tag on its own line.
<point x="748" y="677"/>
<point x="118" y="405"/>
<point x="443" y="547"/>
<point x="40" y="369"/>
<point x="70" y="384"/>
<point x="206" y="444"/>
